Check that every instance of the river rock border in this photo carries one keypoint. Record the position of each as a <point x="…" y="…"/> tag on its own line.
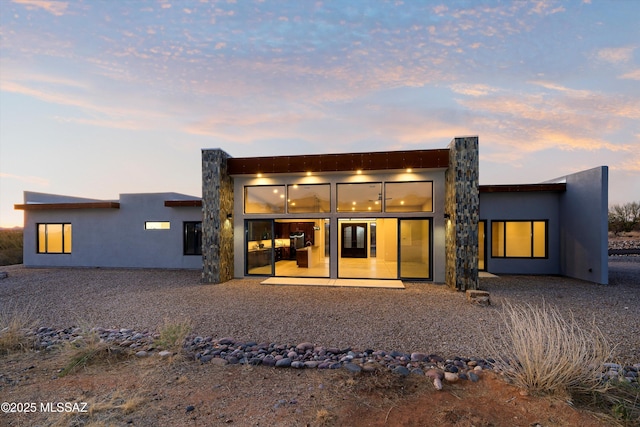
<point x="228" y="351"/>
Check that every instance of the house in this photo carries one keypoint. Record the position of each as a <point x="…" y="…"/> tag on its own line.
<point x="411" y="215"/>
<point x="137" y="230"/>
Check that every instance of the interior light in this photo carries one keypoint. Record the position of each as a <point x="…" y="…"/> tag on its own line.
<point x="282" y="196"/>
<point x="275" y="190"/>
<point x="377" y="202"/>
<point x="295" y="185"/>
<point x="369" y="208"/>
<point x="353" y="209"/>
<point x="293" y="203"/>
<point x="353" y="203"/>
<point x="402" y="202"/>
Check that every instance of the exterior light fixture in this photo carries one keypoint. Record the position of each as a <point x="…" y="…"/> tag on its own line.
<point x="309" y="173"/>
<point x="259" y="175"/>
<point x="409" y="170"/>
<point x="359" y="171"/>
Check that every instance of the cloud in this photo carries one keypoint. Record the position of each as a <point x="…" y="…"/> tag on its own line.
<point x="616" y="55"/>
<point x="473" y="89"/>
<point x="57" y="8"/>
<point x="33" y="180"/>
<point x="632" y="75"/>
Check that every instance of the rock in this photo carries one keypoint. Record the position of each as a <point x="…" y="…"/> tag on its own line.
<point x="297" y="364"/>
<point x="473" y="377"/>
<point x="226" y="341"/>
<point x="3" y="275"/>
<point x="190" y="408"/>
<point x="283" y="363"/>
<point x="142" y="353"/>
<point x="304" y="346"/>
<point x="205" y="359"/>
<point x="165" y="353"/>
<point x="218" y="361"/>
<point x="475" y="296"/>
<point x="451" y="377"/>
<point x="353" y="368"/>
<point x="418" y="357"/>
<point x="401" y="370"/>
<point x="437" y="383"/>
<point x="434" y="373"/>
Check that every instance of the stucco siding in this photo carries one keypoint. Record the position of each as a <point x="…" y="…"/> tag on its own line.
<point x="115" y="237"/>
<point x="523" y="206"/>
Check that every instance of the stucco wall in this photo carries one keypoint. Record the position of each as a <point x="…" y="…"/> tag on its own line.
<point x="523" y="206"/>
<point x="584" y="230"/>
<point x="114" y="237"/>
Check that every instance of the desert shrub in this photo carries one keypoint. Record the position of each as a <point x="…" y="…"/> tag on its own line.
<point x="172" y="335"/>
<point x="90" y="350"/>
<point x="545" y="353"/>
<point x="10" y="246"/>
<point x="16" y="329"/>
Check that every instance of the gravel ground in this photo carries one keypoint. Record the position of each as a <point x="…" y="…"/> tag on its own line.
<point x="424" y="317"/>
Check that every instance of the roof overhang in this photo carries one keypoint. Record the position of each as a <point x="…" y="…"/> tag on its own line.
<point x="414" y="159"/>
<point x="56" y="206"/>
<point x="183" y="203"/>
<point x="524" y="188"/>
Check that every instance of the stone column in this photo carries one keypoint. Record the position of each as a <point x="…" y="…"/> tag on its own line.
<point x="462" y="205"/>
<point x="217" y="227"/>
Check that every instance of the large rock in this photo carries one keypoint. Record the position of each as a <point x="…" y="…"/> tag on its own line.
<point x="475" y="296"/>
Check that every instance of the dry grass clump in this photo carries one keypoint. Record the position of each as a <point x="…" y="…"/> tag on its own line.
<point x="172" y="335"/>
<point x="548" y="354"/>
<point x="90" y="350"/>
<point x="16" y="329"/>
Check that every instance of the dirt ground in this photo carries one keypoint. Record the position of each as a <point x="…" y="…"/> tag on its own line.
<point x="178" y="392"/>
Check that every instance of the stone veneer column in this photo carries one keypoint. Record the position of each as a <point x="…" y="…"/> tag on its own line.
<point x="462" y="203"/>
<point x="217" y="229"/>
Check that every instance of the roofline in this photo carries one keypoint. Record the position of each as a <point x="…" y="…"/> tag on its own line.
<point x="73" y="205"/>
<point x="387" y="160"/>
<point x="524" y="188"/>
<point x="183" y="203"/>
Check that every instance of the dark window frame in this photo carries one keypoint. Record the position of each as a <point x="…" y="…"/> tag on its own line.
<point x="46" y="236"/>
<point x="504" y="242"/>
<point x="192" y="246"/>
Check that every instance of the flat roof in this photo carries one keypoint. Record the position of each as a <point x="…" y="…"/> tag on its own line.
<point x="414" y="159"/>
<point x="523" y="188"/>
<point x="71" y="205"/>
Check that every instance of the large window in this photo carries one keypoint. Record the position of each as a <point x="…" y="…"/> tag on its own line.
<point x="519" y="239"/>
<point x="193" y="238"/>
<point x="54" y="238"/>
<point x="307" y="198"/>
<point x="365" y="197"/>
<point x="265" y="199"/>
<point x="408" y="197"/>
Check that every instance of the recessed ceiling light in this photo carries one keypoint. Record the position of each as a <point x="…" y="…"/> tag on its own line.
<point x="308" y="173"/>
<point x="409" y="170"/>
<point x="359" y="172"/>
<point x="259" y="175"/>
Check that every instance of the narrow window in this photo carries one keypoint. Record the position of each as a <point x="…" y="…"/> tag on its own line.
<point x="192" y="238"/>
<point x="54" y="238"/>
<point x="157" y="225"/>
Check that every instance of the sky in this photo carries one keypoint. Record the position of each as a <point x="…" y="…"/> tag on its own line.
<point x="103" y="97"/>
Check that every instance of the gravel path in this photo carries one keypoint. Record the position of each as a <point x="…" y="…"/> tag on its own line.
<point x="424" y="317"/>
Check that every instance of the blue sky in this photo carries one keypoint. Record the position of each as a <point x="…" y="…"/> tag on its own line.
<point x="104" y="97"/>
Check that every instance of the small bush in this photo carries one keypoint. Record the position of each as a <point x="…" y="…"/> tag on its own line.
<point x="173" y="335"/>
<point x="16" y="330"/>
<point x="90" y="350"/>
<point x="10" y="246"/>
<point x="548" y="354"/>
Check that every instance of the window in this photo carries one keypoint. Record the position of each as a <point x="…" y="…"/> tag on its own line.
<point x="360" y="197"/>
<point x="264" y="199"/>
<point x="408" y="197"/>
<point x="157" y="225"/>
<point x="54" y="238"/>
<point x="192" y="238"/>
<point x="307" y="198"/>
<point x="519" y="239"/>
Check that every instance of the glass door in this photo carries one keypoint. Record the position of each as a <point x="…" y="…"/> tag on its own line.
<point x="259" y="247"/>
<point x="415" y="248"/>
